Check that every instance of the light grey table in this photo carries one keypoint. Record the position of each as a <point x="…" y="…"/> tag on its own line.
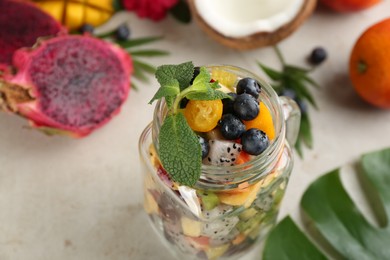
<point x="80" y="199"/>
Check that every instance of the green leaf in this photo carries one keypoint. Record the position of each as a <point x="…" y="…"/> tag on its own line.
<point x="287" y="242"/>
<point x="137" y="42"/>
<point x="180" y="150"/>
<point x="183" y="73"/>
<point x="305" y="130"/>
<point x="338" y="220"/>
<point x="117" y="4"/>
<point x="181" y="12"/>
<point x="144" y="66"/>
<point x="273" y="74"/>
<point x="149" y="53"/>
<point x="202" y="81"/>
<point x="209" y="95"/>
<point x="170" y="89"/>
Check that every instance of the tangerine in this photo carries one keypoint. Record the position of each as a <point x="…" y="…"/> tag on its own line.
<point x="369" y="65"/>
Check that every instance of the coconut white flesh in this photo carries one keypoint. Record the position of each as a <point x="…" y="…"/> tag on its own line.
<point x="240" y="18"/>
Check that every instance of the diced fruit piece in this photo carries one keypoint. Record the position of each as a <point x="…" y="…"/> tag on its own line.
<point x="201" y="242"/>
<point x="228" y="103"/>
<point x="222" y="153"/>
<point x="153" y="156"/>
<point x="263" y="121"/>
<point x="191" y="227"/>
<point x="205" y="146"/>
<point x="224" y="77"/>
<point x="214" y="253"/>
<point x="203" y="115"/>
<point x="249" y="86"/>
<point x="245" y="198"/>
<point x="239" y="239"/>
<point x="243" y="157"/>
<point x="150" y="205"/>
<point x="208" y="199"/>
<point x="174" y="234"/>
<point x="246" y="226"/>
<point x="220" y="240"/>
<point x="215" y="225"/>
<point x="254" y="141"/>
<point x="231" y="127"/>
<point x="246" y="107"/>
<point x="247" y="214"/>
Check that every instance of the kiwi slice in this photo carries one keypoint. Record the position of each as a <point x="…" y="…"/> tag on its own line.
<point x="208" y="199"/>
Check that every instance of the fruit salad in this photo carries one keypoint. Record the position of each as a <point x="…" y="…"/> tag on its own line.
<point x="224" y="220"/>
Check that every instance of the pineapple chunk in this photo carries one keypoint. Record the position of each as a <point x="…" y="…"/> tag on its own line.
<point x="191" y="227"/>
<point x="214" y="253"/>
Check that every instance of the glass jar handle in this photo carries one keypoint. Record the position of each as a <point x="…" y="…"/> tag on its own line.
<point x="292" y="116"/>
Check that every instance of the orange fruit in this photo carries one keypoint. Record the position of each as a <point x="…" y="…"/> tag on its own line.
<point x="203" y="115"/>
<point x="349" y="5"/>
<point x="263" y="121"/>
<point x="369" y="65"/>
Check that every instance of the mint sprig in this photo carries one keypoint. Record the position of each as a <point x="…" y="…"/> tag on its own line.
<point x="179" y="147"/>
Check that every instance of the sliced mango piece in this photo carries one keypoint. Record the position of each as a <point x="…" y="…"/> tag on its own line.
<point x="240" y="199"/>
<point x="263" y="121"/>
<point x="224" y="77"/>
<point x="191" y="227"/>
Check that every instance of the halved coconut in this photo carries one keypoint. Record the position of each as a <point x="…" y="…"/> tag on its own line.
<point x="249" y="24"/>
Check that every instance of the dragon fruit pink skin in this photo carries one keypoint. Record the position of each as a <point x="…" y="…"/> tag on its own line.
<point x="21" y="24"/>
<point x="68" y="84"/>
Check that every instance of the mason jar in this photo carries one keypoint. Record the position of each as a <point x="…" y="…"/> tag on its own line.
<point x="232" y="207"/>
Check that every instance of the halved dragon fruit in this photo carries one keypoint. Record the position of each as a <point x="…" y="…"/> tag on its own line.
<point x="222" y="153"/>
<point x="21" y="24"/>
<point x="68" y="84"/>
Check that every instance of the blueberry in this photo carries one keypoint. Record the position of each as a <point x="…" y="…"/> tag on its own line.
<point x="228" y="104"/>
<point x="123" y="32"/>
<point x="246" y="107"/>
<point x="254" y="141"/>
<point x="249" y="86"/>
<point x="231" y="127"/>
<point x="317" y="56"/>
<point x="184" y="102"/>
<point x="196" y="73"/>
<point x="87" y="28"/>
<point x="205" y="146"/>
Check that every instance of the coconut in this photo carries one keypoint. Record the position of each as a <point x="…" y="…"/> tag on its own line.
<point x="249" y="24"/>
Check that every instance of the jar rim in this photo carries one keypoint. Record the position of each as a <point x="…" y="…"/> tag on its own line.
<point x="229" y="177"/>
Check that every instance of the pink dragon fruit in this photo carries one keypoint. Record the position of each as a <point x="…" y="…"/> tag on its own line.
<point x="67" y="84"/>
<point x="21" y="24"/>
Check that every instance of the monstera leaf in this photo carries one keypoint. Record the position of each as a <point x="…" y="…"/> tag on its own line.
<point x="342" y="229"/>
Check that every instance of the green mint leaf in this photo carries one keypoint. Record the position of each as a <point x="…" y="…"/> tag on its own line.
<point x="211" y="94"/>
<point x="170" y="100"/>
<point x="181" y="12"/>
<point x="180" y="150"/>
<point x="171" y="88"/>
<point x="183" y="73"/>
<point x="202" y="81"/>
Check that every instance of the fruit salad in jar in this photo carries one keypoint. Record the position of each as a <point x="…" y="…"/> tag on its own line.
<point x="245" y="164"/>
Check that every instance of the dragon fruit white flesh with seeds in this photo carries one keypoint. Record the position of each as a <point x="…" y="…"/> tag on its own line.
<point x="216" y="226"/>
<point x="222" y="153"/>
<point x="67" y="84"/>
